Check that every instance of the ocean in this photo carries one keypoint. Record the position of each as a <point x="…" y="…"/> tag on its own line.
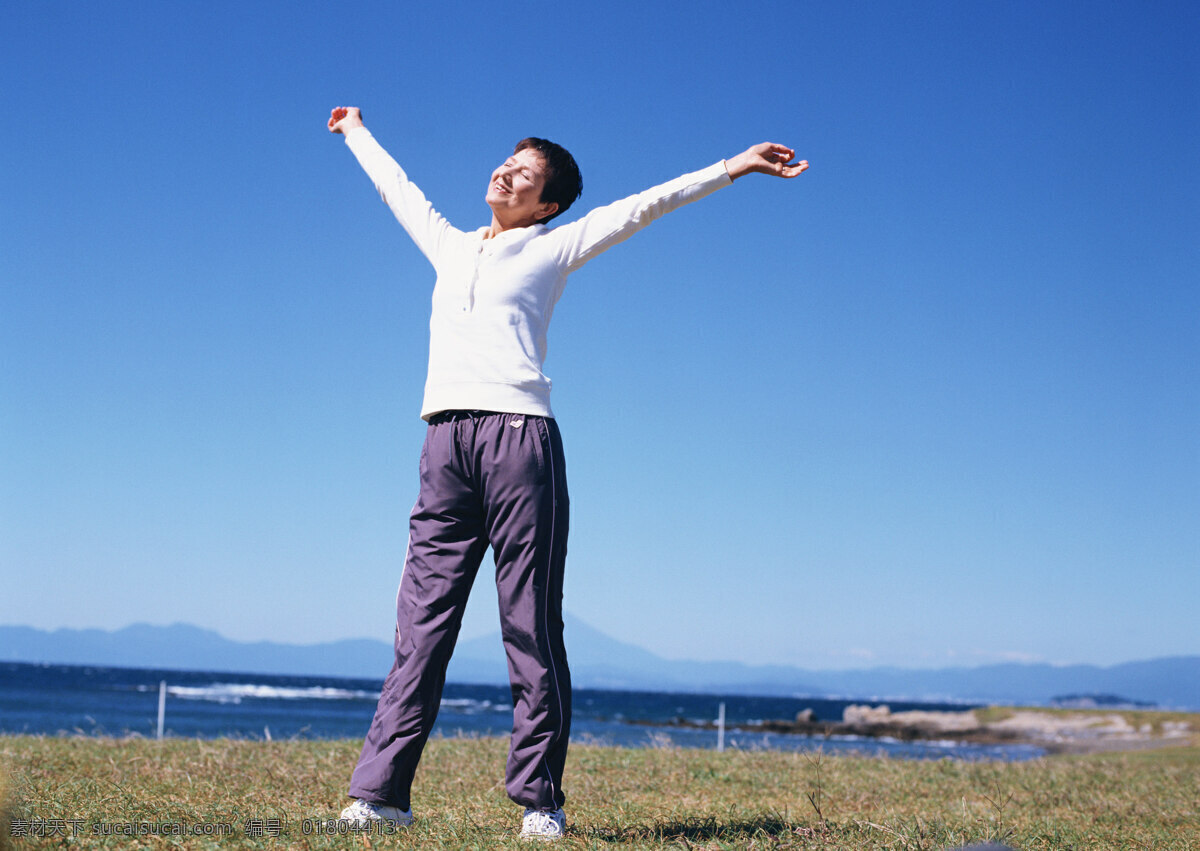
<point x="99" y="701"/>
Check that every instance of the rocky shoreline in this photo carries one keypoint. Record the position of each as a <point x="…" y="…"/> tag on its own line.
<point x="1055" y="731"/>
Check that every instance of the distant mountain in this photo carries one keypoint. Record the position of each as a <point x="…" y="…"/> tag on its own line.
<point x="1172" y="682"/>
<point x="600" y="661"/>
<point x="185" y="647"/>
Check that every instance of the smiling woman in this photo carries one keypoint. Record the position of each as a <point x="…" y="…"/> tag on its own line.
<point x="538" y="182"/>
<point x="515" y="193"/>
<point x="493" y="470"/>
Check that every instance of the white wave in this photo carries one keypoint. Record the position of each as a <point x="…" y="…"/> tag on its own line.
<point x="235" y="692"/>
<point x="467" y="706"/>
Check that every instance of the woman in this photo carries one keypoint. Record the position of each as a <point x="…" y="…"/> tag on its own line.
<point x="492" y="468"/>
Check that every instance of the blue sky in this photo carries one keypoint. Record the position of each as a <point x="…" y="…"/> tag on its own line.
<point x="937" y="401"/>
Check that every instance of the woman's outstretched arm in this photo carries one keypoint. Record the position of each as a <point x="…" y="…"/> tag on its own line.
<point x="409" y="205"/>
<point x="604" y="227"/>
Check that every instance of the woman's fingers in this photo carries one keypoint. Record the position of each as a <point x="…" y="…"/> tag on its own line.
<point x="337" y="114"/>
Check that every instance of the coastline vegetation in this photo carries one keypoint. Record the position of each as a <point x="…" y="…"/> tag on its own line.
<point x="282" y="794"/>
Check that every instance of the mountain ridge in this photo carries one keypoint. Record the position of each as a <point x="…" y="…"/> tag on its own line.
<point x="601" y="661"/>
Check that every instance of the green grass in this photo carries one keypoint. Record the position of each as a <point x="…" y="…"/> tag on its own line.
<point x="618" y="798"/>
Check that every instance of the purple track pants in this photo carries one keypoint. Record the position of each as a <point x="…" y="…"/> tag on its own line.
<point x="486" y="478"/>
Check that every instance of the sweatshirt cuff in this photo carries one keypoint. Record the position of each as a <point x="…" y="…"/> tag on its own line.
<point x="717" y="173"/>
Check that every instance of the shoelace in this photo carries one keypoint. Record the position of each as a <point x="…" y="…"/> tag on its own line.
<point x="542" y="822"/>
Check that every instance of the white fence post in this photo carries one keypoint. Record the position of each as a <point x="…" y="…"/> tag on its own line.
<point x="162" y="706"/>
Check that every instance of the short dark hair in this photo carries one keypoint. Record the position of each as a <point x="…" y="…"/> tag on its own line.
<point x="564" y="183"/>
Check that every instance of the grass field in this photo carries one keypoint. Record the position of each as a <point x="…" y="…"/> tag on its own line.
<point x="280" y="794"/>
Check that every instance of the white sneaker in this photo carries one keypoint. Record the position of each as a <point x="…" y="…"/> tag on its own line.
<point x="542" y="825"/>
<point x="361" y="813"/>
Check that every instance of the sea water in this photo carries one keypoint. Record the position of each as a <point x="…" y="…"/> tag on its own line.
<point x="92" y="701"/>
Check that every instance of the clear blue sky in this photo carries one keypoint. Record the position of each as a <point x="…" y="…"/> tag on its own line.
<point x="936" y="401"/>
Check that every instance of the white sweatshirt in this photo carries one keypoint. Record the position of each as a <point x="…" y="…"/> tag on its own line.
<point x="493" y="298"/>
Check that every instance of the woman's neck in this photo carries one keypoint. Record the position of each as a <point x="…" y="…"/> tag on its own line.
<point x="498" y="227"/>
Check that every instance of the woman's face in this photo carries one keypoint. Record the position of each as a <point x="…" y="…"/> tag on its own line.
<point x="515" y="190"/>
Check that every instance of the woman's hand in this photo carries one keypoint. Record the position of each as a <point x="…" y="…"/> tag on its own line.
<point x="767" y="158"/>
<point x="345" y="118"/>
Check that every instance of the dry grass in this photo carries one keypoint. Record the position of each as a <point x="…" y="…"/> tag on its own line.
<point x="649" y="798"/>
